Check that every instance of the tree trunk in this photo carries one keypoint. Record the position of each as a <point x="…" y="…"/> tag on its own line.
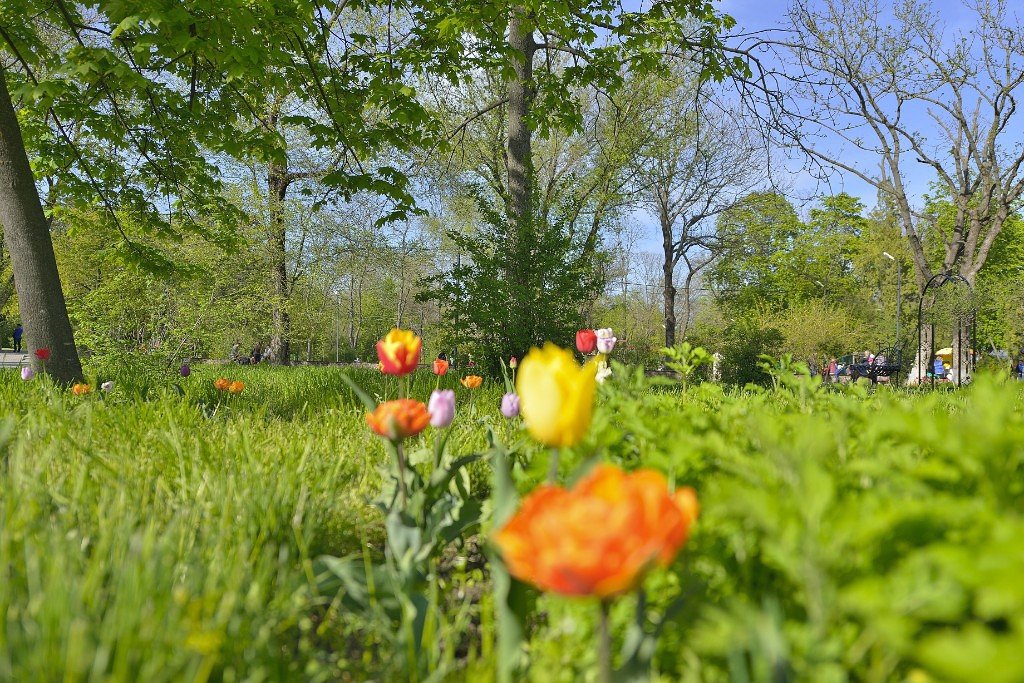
<point x="44" y="312"/>
<point x="277" y="185"/>
<point x="525" y="288"/>
<point x="520" y="138"/>
<point x="668" y="274"/>
<point x="922" y="363"/>
<point x="670" y="305"/>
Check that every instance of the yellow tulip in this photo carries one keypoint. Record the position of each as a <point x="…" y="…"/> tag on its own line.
<point x="556" y="396"/>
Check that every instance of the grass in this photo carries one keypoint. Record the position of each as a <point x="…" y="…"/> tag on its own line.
<point x="168" y="532"/>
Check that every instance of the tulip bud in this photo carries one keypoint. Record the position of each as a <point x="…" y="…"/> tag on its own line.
<point x="586" y="341"/>
<point x="185" y="370"/>
<point x="513" y="362"/>
<point x="605" y="340"/>
<point x="510" y="405"/>
<point x="441" y="407"/>
<point x="27" y="373"/>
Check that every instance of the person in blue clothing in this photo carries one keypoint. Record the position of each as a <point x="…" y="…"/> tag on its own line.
<point x="18" y="333"/>
<point x="938" y="370"/>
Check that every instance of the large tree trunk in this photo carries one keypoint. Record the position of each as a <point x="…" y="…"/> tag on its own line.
<point x="277" y="185"/>
<point x="44" y="312"/>
<point x="520" y="138"/>
<point x="521" y="322"/>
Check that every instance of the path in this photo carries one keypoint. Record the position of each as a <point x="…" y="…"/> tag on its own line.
<point x="12" y="359"/>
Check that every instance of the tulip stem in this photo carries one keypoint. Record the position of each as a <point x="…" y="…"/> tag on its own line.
<point x="400" y="452"/>
<point x="605" y="644"/>
<point x="553" y="466"/>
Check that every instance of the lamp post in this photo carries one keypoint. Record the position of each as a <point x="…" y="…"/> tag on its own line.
<point x="899" y="292"/>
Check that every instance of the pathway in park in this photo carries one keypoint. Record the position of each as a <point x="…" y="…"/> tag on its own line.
<point x="13" y="359"/>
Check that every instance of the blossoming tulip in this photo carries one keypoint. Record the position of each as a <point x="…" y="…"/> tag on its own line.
<point x="222" y="383"/>
<point x="605" y="340"/>
<point x="472" y="381"/>
<point x="185" y="370"/>
<point x="399" y="419"/>
<point x="107" y="386"/>
<point x="441" y="407"/>
<point x="399" y="352"/>
<point x="440" y="367"/>
<point x="586" y="341"/>
<point x="80" y="389"/>
<point x="27" y="373"/>
<point x="510" y="405"/>
<point x="43" y="354"/>
<point x="236" y="387"/>
<point x="600" y="537"/>
<point x="556" y="396"/>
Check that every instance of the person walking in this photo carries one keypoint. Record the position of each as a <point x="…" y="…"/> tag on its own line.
<point x="18" y="333"/>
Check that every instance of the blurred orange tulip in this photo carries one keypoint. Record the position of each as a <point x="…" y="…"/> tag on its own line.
<point x="399" y="352"/>
<point x="222" y="383"/>
<point x="472" y="381"/>
<point x="80" y="389"/>
<point x="399" y="419"/>
<point x="236" y="387"/>
<point x="440" y="366"/>
<point x="600" y="537"/>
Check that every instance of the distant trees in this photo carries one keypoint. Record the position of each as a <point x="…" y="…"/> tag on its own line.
<point x="889" y="79"/>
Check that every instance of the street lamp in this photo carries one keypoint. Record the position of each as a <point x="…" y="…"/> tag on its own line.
<point x="899" y="292"/>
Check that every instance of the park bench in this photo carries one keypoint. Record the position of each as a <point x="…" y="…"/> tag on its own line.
<point x="887" y="363"/>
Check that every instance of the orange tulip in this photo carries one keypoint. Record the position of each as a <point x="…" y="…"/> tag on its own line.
<point x="399" y="352"/>
<point x="472" y="381"/>
<point x="236" y="387"/>
<point x="80" y="389"/>
<point x="600" y="537"/>
<point x="440" y="367"/>
<point x="222" y="383"/>
<point x="399" y="419"/>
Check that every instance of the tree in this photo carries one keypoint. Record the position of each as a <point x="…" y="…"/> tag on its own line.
<point x="697" y="161"/>
<point x="130" y="100"/>
<point x="601" y="41"/>
<point x="864" y="78"/>
<point x="27" y="238"/>
<point x="757" y="268"/>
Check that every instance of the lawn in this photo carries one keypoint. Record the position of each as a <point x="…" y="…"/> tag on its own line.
<point x="165" y="531"/>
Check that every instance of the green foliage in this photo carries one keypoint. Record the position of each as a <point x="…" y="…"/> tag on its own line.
<point x="686" y="359"/>
<point x="509" y="294"/>
<point x="166" y="533"/>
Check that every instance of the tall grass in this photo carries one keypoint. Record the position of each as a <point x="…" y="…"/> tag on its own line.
<point x="166" y="531"/>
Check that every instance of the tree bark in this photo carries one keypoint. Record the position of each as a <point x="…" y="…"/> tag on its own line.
<point x="520" y="137"/>
<point x="670" y="300"/>
<point x="44" y="312"/>
<point x="668" y="268"/>
<point x="277" y="185"/>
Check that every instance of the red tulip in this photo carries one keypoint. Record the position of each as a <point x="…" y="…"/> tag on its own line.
<point x="43" y="354"/>
<point x="586" y="341"/>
